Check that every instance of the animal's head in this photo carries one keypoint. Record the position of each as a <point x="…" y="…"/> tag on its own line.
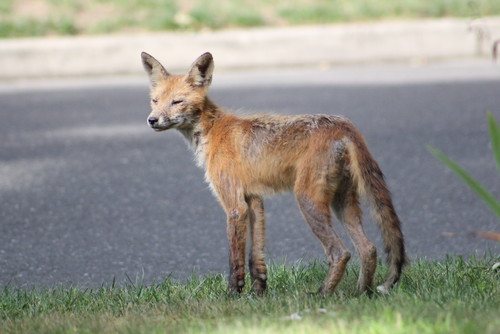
<point x="177" y="100"/>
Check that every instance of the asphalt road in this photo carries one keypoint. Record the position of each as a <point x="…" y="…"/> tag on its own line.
<point x="89" y="194"/>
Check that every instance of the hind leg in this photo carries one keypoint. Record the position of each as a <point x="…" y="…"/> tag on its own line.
<point x="349" y="213"/>
<point x="317" y="214"/>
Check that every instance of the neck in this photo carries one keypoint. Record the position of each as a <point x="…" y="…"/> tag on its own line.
<point x="208" y="115"/>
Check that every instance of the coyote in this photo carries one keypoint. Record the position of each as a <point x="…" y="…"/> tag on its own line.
<point x="323" y="159"/>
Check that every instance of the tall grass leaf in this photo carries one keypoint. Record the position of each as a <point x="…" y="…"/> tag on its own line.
<point x="493" y="203"/>
<point x="494" y="132"/>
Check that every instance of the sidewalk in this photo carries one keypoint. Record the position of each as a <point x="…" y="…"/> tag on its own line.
<point x="402" y="41"/>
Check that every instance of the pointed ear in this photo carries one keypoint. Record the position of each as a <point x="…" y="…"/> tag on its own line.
<point x="154" y="69"/>
<point x="200" y="73"/>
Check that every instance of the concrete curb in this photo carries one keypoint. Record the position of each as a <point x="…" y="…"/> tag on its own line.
<point x="261" y="47"/>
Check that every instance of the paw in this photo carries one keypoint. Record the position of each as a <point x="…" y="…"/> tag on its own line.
<point x="236" y="287"/>
<point x="382" y="290"/>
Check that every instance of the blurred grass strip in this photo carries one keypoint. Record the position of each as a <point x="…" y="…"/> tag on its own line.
<point x="24" y="18"/>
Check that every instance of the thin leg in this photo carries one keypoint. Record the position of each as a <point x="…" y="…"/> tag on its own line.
<point x="232" y="198"/>
<point x="317" y="215"/>
<point x="257" y="264"/>
<point x="350" y="216"/>
<point x="237" y="218"/>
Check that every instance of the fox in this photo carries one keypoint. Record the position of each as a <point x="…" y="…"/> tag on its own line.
<point x="322" y="158"/>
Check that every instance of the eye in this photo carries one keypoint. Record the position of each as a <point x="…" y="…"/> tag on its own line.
<point x="177" y="101"/>
<point x="155" y="101"/>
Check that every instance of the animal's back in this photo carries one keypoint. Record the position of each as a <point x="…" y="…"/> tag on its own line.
<point x="263" y="152"/>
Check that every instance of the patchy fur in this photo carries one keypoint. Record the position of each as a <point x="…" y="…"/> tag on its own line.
<point x="323" y="159"/>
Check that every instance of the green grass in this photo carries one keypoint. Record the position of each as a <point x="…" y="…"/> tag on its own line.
<point x="449" y="296"/>
<point x="67" y="17"/>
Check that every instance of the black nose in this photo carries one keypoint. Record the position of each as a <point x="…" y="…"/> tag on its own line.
<point x="152" y="120"/>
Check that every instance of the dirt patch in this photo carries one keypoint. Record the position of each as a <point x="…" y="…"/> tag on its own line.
<point x="38" y="9"/>
<point x="96" y="13"/>
<point x="83" y="14"/>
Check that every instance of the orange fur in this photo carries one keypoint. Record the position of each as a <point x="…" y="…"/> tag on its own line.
<point x="323" y="159"/>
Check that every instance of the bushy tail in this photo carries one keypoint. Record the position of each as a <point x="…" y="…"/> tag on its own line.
<point x="370" y="180"/>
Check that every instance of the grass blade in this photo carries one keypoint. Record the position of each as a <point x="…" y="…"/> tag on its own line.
<point x="494" y="132"/>
<point x="483" y="193"/>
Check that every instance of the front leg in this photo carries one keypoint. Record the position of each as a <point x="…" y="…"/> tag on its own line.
<point x="237" y="217"/>
<point x="257" y="264"/>
<point x="231" y="195"/>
